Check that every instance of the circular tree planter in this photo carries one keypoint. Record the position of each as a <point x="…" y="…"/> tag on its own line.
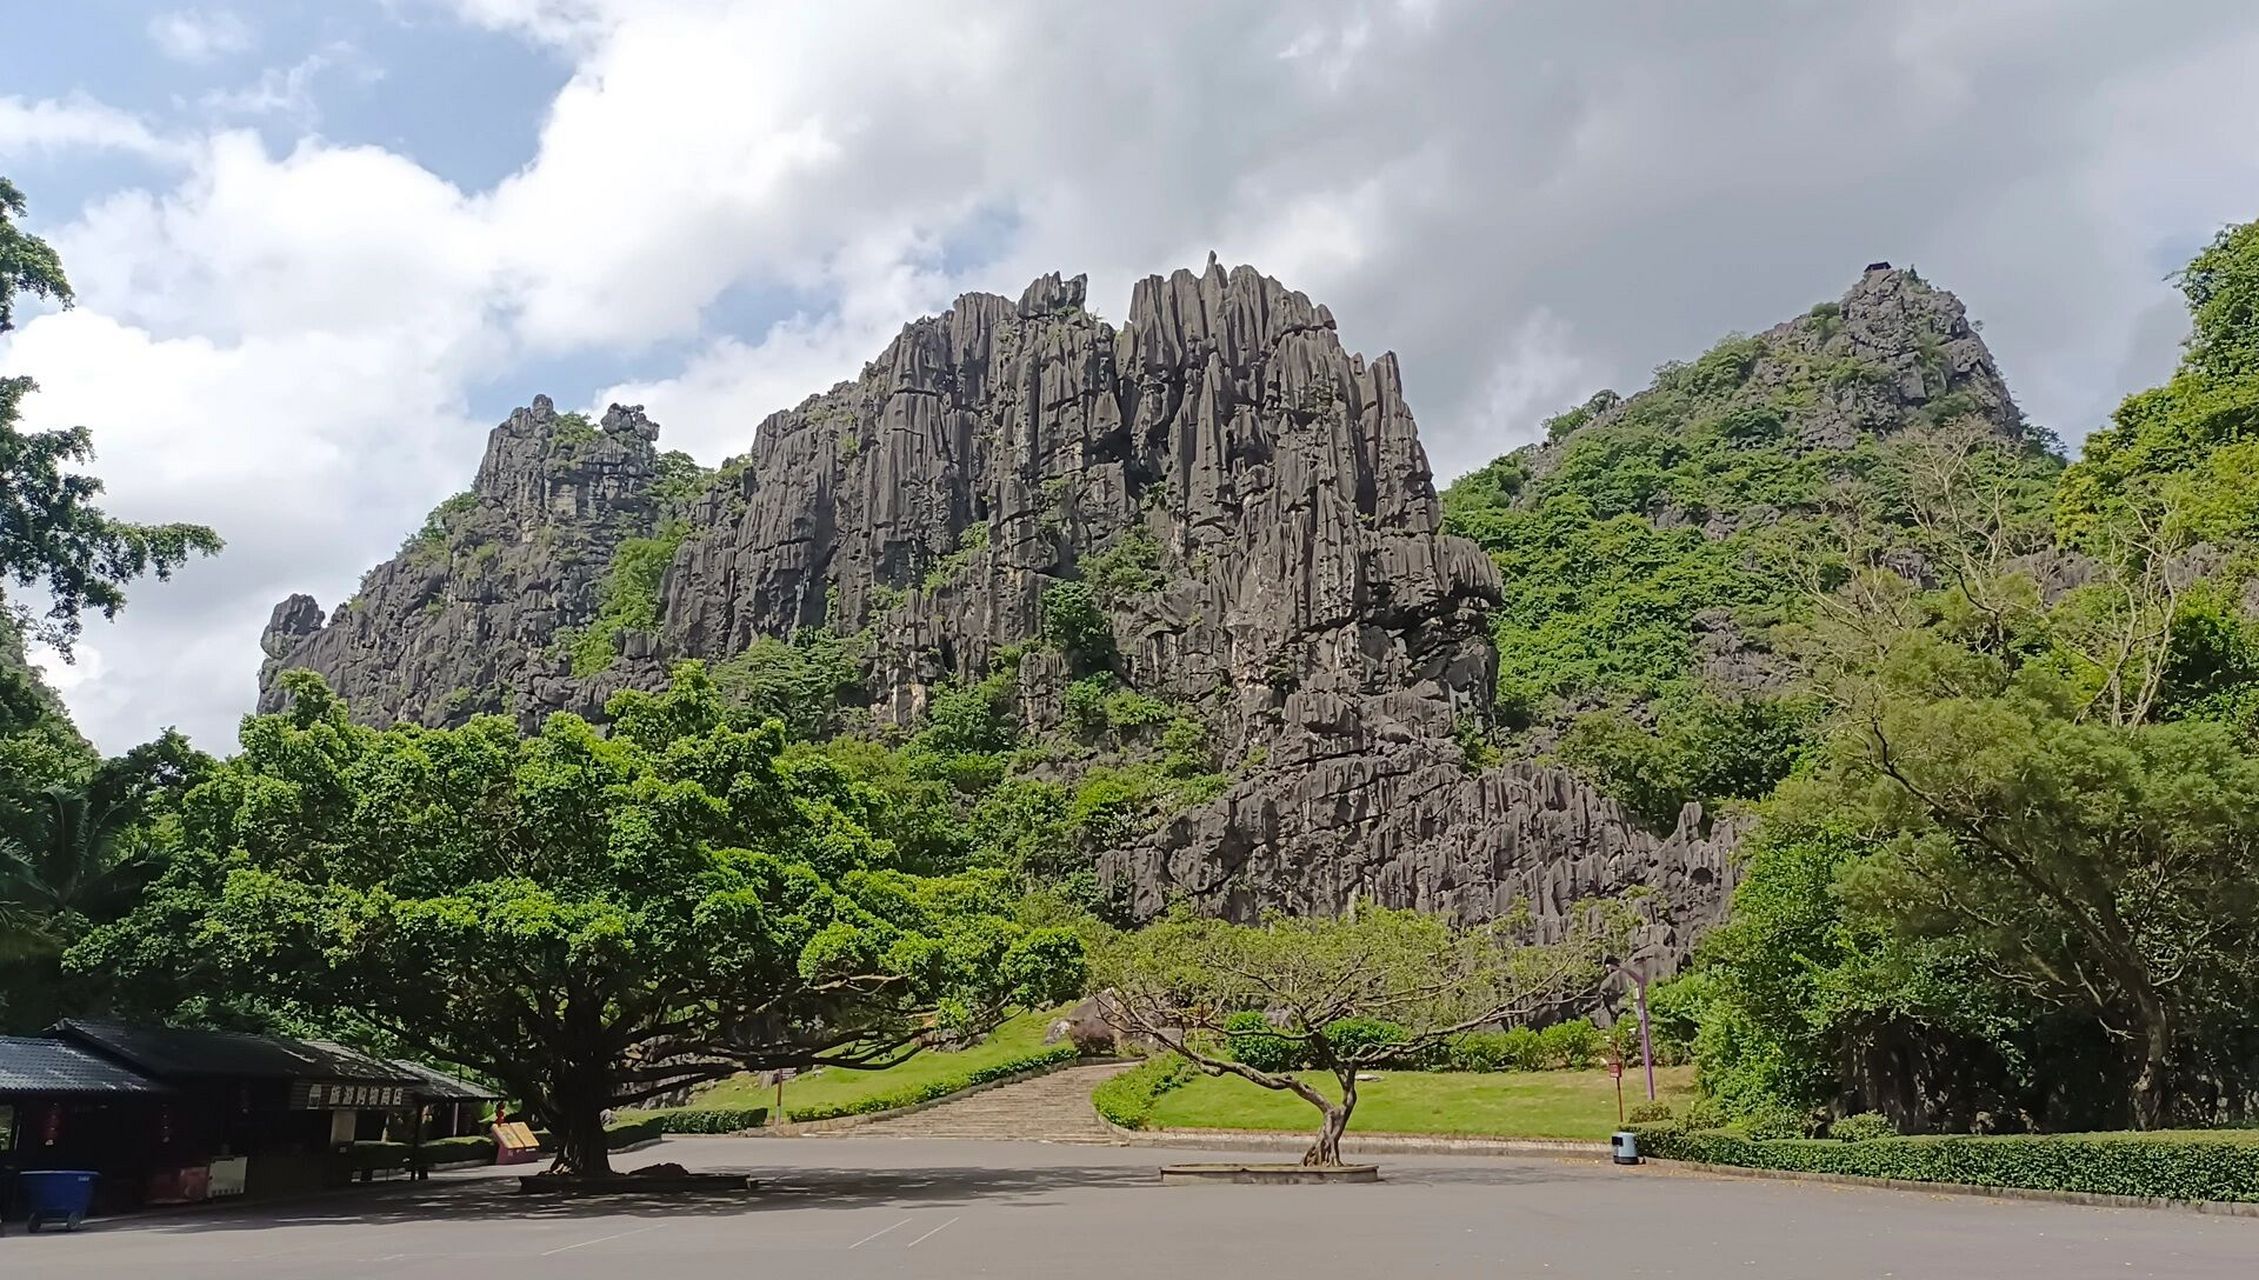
<point x="630" y="1184"/>
<point x="1281" y="1175"/>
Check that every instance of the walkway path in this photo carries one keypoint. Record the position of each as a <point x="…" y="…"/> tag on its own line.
<point x="1049" y="1108"/>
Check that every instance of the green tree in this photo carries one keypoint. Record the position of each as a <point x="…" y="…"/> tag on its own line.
<point x="51" y="533"/>
<point x="589" y="919"/>
<point x="76" y="853"/>
<point x="2173" y="434"/>
<point x="1324" y="985"/>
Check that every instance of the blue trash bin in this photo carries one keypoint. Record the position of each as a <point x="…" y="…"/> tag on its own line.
<point x="56" y="1194"/>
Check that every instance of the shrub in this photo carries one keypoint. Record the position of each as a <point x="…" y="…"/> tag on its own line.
<point x="1479" y="1051"/>
<point x="368" y="1156"/>
<point x="1574" y="1044"/>
<point x="1127" y="1099"/>
<point x="711" y="1119"/>
<point x="1085" y="703"/>
<point x="1254" y="1042"/>
<point x="1863" y="1127"/>
<point x="942" y="1087"/>
<point x="2168" y="1166"/>
<point x="1356" y="1035"/>
<point x="627" y="1133"/>
<point x="1074" y="622"/>
<point x="462" y="1150"/>
<point x="1649" y="1113"/>
<point x="1525" y="1049"/>
<point x="1774" y="1122"/>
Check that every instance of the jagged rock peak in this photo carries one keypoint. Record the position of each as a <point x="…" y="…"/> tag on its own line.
<point x="1248" y="502"/>
<point x="1893" y="350"/>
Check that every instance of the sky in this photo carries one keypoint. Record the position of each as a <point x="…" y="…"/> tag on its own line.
<point x="321" y="246"/>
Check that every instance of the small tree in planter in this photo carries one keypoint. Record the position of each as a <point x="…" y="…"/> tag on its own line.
<point x="1340" y="995"/>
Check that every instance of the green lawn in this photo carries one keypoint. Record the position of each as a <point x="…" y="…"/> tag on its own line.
<point x="835" y="1085"/>
<point x="1509" y="1104"/>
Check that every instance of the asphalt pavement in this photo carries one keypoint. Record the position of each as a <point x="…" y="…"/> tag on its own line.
<point x="848" y="1208"/>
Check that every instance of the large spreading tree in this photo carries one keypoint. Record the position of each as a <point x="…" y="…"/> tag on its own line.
<point x="589" y="918"/>
<point x="1340" y="995"/>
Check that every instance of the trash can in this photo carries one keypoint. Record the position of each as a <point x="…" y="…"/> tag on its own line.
<point x="1624" y="1146"/>
<point x="52" y="1194"/>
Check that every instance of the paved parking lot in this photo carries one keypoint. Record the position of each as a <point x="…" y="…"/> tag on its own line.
<point x="870" y="1207"/>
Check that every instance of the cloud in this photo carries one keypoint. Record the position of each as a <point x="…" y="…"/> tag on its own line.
<point x="192" y="35"/>
<point x="1525" y="202"/>
<point x="287" y="93"/>
<point x="74" y="124"/>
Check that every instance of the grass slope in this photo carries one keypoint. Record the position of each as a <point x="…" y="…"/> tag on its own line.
<point x="1513" y="1104"/>
<point x="835" y="1086"/>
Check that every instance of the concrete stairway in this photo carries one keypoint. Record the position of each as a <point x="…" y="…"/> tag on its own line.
<point x="1048" y="1108"/>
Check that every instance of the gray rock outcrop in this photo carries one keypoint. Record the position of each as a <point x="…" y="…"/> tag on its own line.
<point x="1289" y="588"/>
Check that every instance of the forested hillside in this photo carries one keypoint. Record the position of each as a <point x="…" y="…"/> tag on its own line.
<point x="1997" y="720"/>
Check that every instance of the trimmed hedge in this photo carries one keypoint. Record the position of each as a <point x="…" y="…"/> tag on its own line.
<point x="468" y="1147"/>
<point x="626" y="1133"/>
<point x="2183" y="1165"/>
<point x="376" y="1156"/>
<point x="912" y="1095"/>
<point x="710" y="1119"/>
<point x="1127" y="1099"/>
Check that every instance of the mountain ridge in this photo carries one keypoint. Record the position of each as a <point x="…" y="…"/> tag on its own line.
<point x="1206" y="544"/>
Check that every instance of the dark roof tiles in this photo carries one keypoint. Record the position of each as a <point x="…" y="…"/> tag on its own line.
<point x="29" y="1066"/>
<point x="438" y="1086"/>
<point x="174" y="1052"/>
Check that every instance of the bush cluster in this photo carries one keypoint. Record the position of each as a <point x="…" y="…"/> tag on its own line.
<point x="1863" y="1127"/>
<point x="2166" y="1165"/>
<point x="1253" y="1042"/>
<point x="1127" y="1099"/>
<point x="627" y="1133"/>
<point x="912" y="1095"/>
<point x="463" y="1150"/>
<point x="710" y="1119"/>
<point x="1574" y="1045"/>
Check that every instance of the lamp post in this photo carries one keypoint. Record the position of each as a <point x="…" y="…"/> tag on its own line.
<point x="1646" y="1040"/>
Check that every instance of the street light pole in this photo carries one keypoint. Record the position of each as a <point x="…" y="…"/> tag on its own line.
<point x="1646" y="1038"/>
<point x="1646" y="1041"/>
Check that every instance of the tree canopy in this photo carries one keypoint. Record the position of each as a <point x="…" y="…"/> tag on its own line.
<point x="2014" y="886"/>
<point x="589" y="919"/>
<point x="1341" y="993"/>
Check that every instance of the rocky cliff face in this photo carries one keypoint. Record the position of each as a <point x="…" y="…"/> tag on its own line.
<point x="466" y="617"/>
<point x="1248" y="502"/>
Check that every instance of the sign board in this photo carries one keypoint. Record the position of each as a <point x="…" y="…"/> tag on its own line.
<point x="1615" y="1068"/>
<point x="516" y="1134"/>
<point x="227" y="1176"/>
<point x="327" y="1095"/>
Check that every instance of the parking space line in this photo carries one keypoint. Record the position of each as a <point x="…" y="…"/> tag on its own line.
<point x="880" y="1232"/>
<point x="618" y="1235"/>
<point x="930" y="1234"/>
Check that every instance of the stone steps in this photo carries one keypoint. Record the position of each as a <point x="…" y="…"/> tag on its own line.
<point x="1049" y="1108"/>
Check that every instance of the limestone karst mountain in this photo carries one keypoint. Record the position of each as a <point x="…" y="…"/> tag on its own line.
<point x="1246" y="505"/>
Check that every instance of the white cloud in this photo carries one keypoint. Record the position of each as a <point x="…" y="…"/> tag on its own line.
<point x="193" y="35"/>
<point x="1526" y="202"/>
<point x="287" y="93"/>
<point x="73" y="124"/>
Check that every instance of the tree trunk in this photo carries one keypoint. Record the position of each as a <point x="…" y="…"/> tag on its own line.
<point x="1326" y="1151"/>
<point x="579" y="1134"/>
<point x="576" y="1124"/>
<point x="2150" y="1081"/>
